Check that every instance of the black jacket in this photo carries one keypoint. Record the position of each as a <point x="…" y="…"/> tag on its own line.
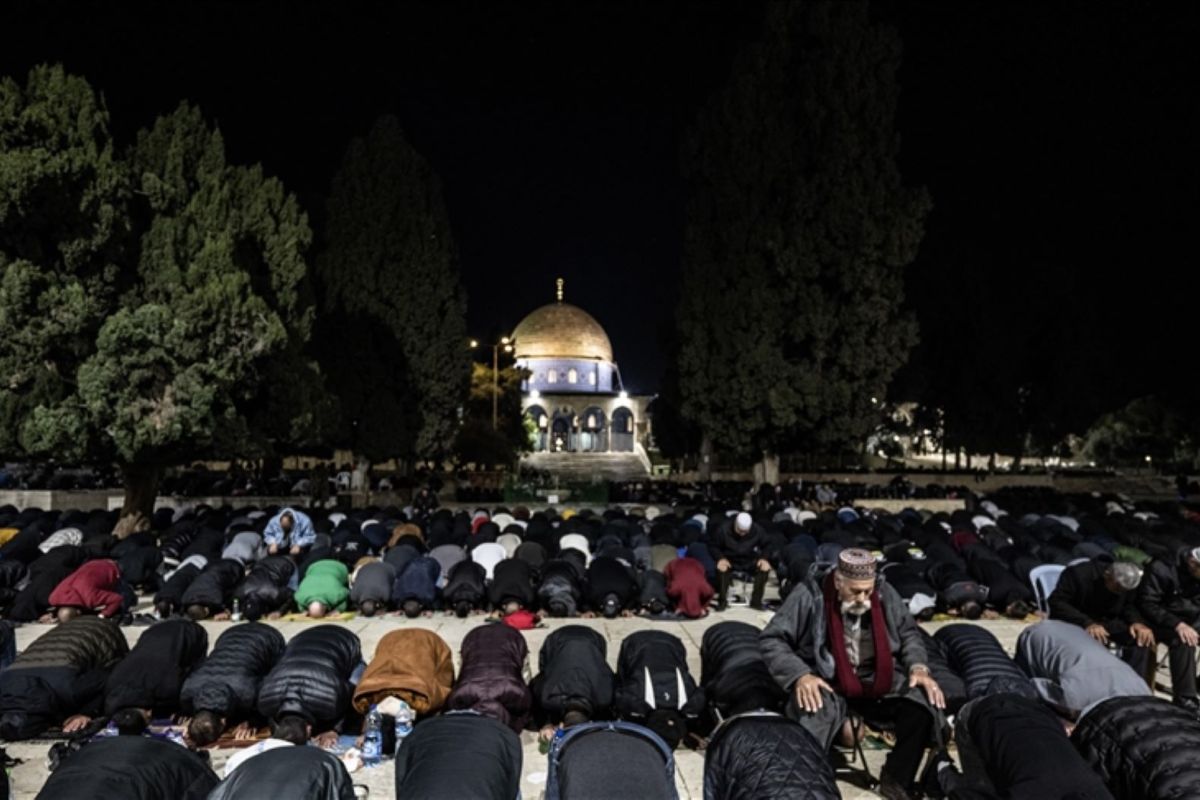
<point x="228" y="681"/>
<point x="214" y="586"/>
<point x="513" y="579"/>
<point x="466" y="582"/>
<point x="1026" y="752"/>
<point x="1169" y="594"/>
<point x="742" y="552"/>
<point x="733" y="673"/>
<point x="373" y="582"/>
<point x="573" y="671"/>
<point x="294" y="772"/>
<point x="609" y="576"/>
<point x="660" y="655"/>
<point x="766" y="757"/>
<point x="1081" y="598"/>
<point x="1142" y="747"/>
<point x="312" y="678"/>
<point x="152" y="675"/>
<point x="430" y="764"/>
<point x="265" y="587"/>
<point x="45" y="573"/>
<point x="130" y="768"/>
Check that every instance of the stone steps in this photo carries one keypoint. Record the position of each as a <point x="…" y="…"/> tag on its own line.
<point x="586" y="467"/>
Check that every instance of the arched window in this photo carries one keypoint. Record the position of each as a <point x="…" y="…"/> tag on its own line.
<point x="552" y="376"/>
<point x="592" y="378"/>
<point x="591" y="422"/>
<point x="572" y="375"/>
<point x="541" y="421"/>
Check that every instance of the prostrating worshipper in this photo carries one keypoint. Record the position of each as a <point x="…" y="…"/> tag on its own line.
<point x="312" y="678"/>
<point x="325" y="589"/>
<point x="130" y="767"/>
<point x="654" y="687"/>
<point x="847" y="643"/>
<point x="223" y="691"/>
<point x="491" y="680"/>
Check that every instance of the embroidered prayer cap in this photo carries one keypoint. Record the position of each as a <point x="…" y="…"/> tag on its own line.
<point x="856" y="564"/>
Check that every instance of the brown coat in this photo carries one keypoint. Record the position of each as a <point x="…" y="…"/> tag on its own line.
<point x="406" y="529"/>
<point x="413" y="664"/>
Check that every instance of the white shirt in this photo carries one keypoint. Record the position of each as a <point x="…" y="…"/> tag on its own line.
<point x="238" y="758"/>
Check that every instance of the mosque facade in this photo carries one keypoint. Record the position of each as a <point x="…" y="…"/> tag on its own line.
<point x="573" y="393"/>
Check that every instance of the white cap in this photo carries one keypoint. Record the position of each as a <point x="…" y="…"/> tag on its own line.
<point x="744" y="522"/>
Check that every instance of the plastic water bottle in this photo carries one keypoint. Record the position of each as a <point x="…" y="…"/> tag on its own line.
<point x="372" y="749"/>
<point x="404" y="724"/>
<point x="236" y="616"/>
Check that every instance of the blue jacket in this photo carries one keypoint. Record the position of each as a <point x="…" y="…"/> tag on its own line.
<point x="302" y="535"/>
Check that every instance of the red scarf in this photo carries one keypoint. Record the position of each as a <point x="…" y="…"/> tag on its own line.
<point x="845" y="678"/>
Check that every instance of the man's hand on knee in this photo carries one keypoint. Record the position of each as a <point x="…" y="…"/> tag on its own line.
<point x="723" y="565"/>
<point x="764" y="565"/>
<point x="808" y="692"/>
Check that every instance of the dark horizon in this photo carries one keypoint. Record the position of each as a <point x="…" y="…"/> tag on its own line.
<point x="1056" y="143"/>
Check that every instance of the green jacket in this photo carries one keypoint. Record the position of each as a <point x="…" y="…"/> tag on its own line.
<point x="327" y="582"/>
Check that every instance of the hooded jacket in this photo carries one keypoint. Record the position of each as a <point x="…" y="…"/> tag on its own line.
<point x="573" y="671"/>
<point x="466" y="583"/>
<point x="761" y="756"/>
<point x="491" y="681"/>
<point x="430" y="765"/>
<point x="288" y="772"/>
<point x="413" y="664"/>
<point x="733" y="673"/>
<point x="302" y="534"/>
<point x="153" y="673"/>
<point x="312" y="677"/>
<point x="417" y="582"/>
<point x="130" y="768"/>
<point x="652" y="675"/>
<point x="227" y="682"/>
<point x="92" y="586"/>
<point x="265" y="587"/>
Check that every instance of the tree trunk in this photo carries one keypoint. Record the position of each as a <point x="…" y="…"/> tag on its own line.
<point x="767" y="470"/>
<point x="706" y="453"/>
<point x="141" y="490"/>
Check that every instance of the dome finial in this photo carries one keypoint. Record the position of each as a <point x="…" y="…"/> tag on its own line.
<point x="559" y="284"/>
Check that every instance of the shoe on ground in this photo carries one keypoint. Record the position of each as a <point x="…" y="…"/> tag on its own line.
<point x="890" y="789"/>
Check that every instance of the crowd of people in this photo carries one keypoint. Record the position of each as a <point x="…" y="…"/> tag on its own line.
<point x="844" y="649"/>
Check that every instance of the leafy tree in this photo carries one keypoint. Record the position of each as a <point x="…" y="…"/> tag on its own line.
<point x="476" y="440"/>
<point x="1144" y="427"/>
<point x="194" y="327"/>
<point x="389" y="260"/>
<point x="798" y="231"/>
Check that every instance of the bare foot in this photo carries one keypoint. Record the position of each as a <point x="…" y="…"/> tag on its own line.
<point x="243" y="731"/>
<point x="221" y="616"/>
<point x="46" y="619"/>
<point x="426" y="613"/>
<point x="275" y="615"/>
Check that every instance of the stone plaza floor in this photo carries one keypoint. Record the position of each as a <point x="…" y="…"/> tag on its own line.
<point x="29" y="776"/>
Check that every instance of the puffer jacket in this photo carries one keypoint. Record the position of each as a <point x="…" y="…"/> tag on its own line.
<point x="430" y="765"/>
<point x="213" y="587"/>
<point x="661" y="658"/>
<point x="153" y="673"/>
<point x="178" y="581"/>
<point x="63" y="672"/>
<point x="762" y="756"/>
<point x="131" y="768"/>
<point x="975" y="654"/>
<point x="949" y="681"/>
<point x="1143" y="747"/>
<point x="491" y="682"/>
<point x="573" y="671"/>
<point x="610" y="759"/>
<point x="265" y="587"/>
<point x="298" y="772"/>
<point x="413" y="664"/>
<point x="732" y="671"/>
<point x="312" y="677"/>
<point x="227" y="682"/>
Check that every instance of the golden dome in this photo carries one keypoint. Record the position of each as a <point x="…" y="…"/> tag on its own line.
<point x="561" y="330"/>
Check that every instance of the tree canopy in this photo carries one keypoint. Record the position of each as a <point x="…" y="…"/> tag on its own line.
<point x="154" y="303"/>
<point x="797" y="234"/>
<point x="389" y="262"/>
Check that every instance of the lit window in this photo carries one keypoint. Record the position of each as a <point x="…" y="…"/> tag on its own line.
<point x="541" y="420"/>
<point x="592" y="378"/>
<point x="552" y="376"/>
<point x="572" y="376"/>
<point x="591" y="420"/>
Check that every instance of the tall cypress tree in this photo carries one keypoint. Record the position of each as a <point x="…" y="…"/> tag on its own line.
<point x="389" y="269"/>
<point x="797" y="233"/>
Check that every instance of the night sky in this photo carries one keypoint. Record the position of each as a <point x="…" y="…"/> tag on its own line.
<point x="1058" y="140"/>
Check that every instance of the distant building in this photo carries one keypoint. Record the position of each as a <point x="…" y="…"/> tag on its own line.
<point x="574" y="394"/>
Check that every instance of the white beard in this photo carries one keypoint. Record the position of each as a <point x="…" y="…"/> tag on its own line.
<point x="856" y="609"/>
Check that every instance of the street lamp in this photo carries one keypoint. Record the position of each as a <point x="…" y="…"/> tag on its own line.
<point x="506" y="343"/>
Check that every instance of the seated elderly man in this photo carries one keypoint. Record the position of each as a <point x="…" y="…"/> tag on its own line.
<point x="1101" y="599"/>
<point x="1169" y="599"/>
<point x="847" y="643"/>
